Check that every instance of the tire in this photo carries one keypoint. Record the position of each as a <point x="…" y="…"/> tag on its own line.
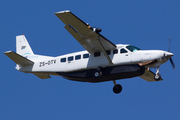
<point x="117" y="88"/>
<point x="157" y="77"/>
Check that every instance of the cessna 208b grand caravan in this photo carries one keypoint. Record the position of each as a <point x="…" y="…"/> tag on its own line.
<point x="101" y="61"/>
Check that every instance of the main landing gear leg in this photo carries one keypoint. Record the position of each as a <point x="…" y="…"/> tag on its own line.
<point x="117" y="87"/>
<point x="157" y="76"/>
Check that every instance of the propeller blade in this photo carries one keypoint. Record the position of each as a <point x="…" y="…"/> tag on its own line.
<point x="172" y="63"/>
<point x="169" y="44"/>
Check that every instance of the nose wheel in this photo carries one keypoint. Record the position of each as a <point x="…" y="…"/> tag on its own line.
<point x="157" y="77"/>
<point x="117" y="87"/>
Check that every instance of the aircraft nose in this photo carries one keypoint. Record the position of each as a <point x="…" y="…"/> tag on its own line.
<point x="168" y="54"/>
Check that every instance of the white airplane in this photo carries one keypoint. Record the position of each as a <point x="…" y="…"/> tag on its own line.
<point x="101" y="61"/>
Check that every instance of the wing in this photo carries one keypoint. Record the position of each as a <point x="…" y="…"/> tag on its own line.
<point x="148" y="76"/>
<point x="84" y="34"/>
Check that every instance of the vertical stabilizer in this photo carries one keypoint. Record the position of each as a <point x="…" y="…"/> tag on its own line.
<point x="22" y="46"/>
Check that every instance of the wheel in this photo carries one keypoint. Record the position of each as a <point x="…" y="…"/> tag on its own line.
<point x="157" y="77"/>
<point x="97" y="74"/>
<point x="117" y="88"/>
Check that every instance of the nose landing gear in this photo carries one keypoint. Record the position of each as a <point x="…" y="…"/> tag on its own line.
<point x="157" y="76"/>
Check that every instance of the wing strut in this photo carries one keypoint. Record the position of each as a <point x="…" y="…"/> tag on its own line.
<point x="103" y="50"/>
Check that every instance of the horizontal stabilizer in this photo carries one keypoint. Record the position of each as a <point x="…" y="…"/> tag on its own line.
<point x="148" y="76"/>
<point x="42" y="76"/>
<point x="18" y="59"/>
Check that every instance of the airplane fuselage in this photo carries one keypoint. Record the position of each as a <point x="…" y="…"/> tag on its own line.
<point x="83" y="61"/>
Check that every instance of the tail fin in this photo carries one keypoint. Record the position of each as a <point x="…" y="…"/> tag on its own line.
<point x="22" y="46"/>
<point x="23" y="50"/>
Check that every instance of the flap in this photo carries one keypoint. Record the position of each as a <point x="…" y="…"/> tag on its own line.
<point x="18" y="59"/>
<point x="148" y="76"/>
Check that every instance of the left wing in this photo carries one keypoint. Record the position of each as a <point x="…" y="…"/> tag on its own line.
<point x="92" y="41"/>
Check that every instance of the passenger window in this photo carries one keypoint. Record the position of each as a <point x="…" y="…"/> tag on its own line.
<point x="115" y="51"/>
<point x="63" y="59"/>
<point x="70" y="58"/>
<point x="97" y="54"/>
<point x="123" y="50"/>
<point x="77" y="57"/>
<point x="108" y="52"/>
<point x="86" y="56"/>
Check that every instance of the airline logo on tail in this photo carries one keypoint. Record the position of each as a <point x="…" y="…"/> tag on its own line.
<point x="28" y="55"/>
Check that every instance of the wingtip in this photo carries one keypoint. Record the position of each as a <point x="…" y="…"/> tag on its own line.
<point x="8" y="52"/>
<point x="64" y="11"/>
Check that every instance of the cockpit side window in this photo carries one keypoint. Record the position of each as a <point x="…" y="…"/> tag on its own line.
<point x="123" y="50"/>
<point x="132" y="48"/>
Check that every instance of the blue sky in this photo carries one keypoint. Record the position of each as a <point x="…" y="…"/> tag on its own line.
<point x="146" y="24"/>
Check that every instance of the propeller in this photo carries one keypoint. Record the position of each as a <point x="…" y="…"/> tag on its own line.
<point x="172" y="63"/>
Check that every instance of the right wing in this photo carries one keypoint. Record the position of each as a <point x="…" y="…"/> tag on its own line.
<point x="84" y="34"/>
